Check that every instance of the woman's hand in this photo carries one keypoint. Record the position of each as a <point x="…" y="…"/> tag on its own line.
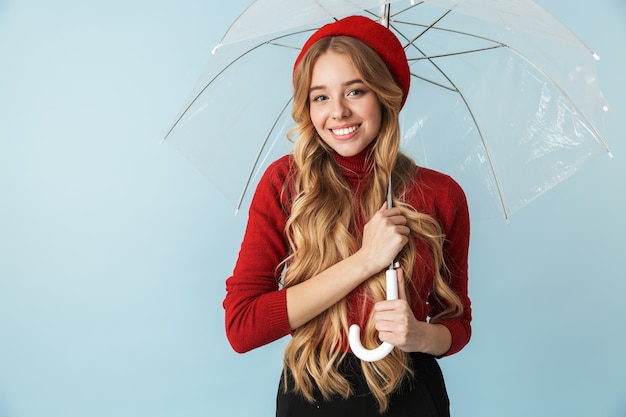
<point x="396" y="324"/>
<point x="384" y="236"/>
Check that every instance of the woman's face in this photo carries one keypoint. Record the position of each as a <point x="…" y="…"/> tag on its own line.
<point x="344" y="111"/>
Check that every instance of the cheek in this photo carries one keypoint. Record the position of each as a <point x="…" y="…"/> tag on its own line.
<point x="317" y="119"/>
<point x="377" y="115"/>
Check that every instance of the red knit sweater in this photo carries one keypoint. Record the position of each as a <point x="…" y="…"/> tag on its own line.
<point x="256" y="308"/>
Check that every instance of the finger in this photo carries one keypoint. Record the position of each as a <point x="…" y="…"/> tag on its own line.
<point x="390" y="309"/>
<point x="398" y="219"/>
<point x="384" y="308"/>
<point x="393" y="212"/>
<point x="402" y="229"/>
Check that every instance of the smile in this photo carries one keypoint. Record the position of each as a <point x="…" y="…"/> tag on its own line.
<point x="345" y="130"/>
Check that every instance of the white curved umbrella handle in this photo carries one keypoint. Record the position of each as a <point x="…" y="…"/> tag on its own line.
<point x="372" y="355"/>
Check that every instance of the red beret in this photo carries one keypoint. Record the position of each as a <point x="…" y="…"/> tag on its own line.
<point x="374" y="34"/>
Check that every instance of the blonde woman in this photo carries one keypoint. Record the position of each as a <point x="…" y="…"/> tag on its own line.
<point x="319" y="238"/>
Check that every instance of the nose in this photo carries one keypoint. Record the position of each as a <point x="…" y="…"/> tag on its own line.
<point x="340" y="109"/>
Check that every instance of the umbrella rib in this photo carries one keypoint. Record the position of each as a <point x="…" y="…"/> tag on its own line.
<point x="433" y="26"/>
<point x="283" y="45"/>
<point x="425" y="27"/>
<point x="258" y="155"/>
<point x="488" y="154"/>
<point x="485" y="147"/>
<point x="480" y="133"/>
<point x="581" y="114"/>
<point x="434" y="82"/>
<point x="469" y="51"/>
<point x="444" y="29"/>
<point x="460" y="93"/>
<point x="193" y="101"/>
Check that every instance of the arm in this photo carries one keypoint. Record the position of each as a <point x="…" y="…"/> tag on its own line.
<point x="255" y="307"/>
<point x="257" y="311"/>
<point x="383" y="237"/>
<point x="456" y="223"/>
<point x="396" y="321"/>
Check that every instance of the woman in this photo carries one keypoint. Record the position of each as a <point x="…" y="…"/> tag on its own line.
<point x="319" y="238"/>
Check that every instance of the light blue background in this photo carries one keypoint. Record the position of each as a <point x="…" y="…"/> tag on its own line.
<point x="114" y="250"/>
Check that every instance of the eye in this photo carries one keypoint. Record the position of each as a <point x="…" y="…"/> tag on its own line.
<point x="356" y="92"/>
<point x="319" y="98"/>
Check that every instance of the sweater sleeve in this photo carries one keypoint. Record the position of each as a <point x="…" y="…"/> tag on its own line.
<point x="255" y="307"/>
<point x="454" y="215"/>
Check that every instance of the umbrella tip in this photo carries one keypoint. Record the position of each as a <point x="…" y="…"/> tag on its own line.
<point x="214" y="51"/>
<point x="596" y="56"/>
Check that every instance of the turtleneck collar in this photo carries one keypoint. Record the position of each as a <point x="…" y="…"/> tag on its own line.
<point x="358" y="164"/>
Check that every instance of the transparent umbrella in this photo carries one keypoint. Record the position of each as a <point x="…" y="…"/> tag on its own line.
<point x="504" y="98"/>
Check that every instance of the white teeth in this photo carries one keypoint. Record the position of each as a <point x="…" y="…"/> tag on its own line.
<point x="345" y="131"/>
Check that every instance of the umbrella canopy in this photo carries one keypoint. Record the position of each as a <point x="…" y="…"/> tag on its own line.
<point x="504" y="98"/>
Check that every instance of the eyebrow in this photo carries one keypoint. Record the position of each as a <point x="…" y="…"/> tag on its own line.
<point x="346" y="84"/>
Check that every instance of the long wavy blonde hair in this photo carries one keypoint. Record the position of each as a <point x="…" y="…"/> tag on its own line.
<point x="322" y="230"/>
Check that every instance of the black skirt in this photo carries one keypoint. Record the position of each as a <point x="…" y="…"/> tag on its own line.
<point x="423" y="396"/>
